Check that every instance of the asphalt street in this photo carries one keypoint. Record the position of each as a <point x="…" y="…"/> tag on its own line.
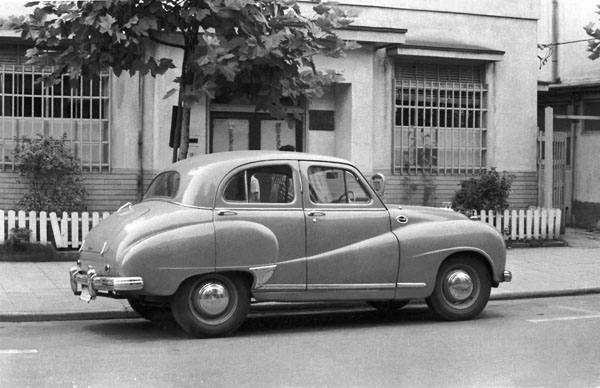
<point x="551" y="342"/>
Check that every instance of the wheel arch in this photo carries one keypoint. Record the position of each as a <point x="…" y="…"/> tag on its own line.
<point x="478" y="255"/>
<point x="246" y="276"/>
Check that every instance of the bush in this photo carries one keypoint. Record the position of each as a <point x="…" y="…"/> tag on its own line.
<point x="17" y="237"/>
<point x="490" y="191"/>
<point x="52" y="173"/>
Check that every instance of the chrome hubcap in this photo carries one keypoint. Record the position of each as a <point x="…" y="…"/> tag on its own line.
<point x="459" y="285"/>
<point x="212" y="299"/>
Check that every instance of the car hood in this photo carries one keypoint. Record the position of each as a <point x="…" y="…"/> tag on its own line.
<point x="419" y="214"/>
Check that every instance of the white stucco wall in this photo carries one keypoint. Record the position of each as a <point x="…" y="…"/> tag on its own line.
<point x="363" y="101"/>
<point x="125" y="118"/>
<point x="576" y="72"/>
<point x="573" y="62"/>
<point x="587" y="164"/>
<point x="354" y="106"/>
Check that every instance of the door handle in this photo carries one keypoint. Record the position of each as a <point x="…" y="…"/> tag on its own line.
<point x="226" y="213"/>
<point x="315" y="214"/>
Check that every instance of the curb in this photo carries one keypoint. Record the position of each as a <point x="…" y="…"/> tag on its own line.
<point x="268" y="307"/>
<point x="545" y="294"/>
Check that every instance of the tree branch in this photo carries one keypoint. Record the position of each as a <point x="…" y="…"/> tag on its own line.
<point x="165" y="42"/>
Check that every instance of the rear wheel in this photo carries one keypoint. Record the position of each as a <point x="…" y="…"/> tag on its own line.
<point x="151" y="311"/>
<point x="388" y="305"/>
<point x="211" y="305"/>
<point x="462" y="289"/>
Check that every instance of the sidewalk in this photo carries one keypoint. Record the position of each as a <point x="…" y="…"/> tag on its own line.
<point x="41" y="291"/>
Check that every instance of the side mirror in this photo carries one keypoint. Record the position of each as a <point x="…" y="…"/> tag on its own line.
<point x="378" y="183"/>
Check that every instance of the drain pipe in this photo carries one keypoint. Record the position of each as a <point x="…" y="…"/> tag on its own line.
<point x="555" y="77"/>
<point x="140" y="142"/>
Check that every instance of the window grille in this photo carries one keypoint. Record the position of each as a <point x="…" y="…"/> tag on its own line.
<point x="440" y="121"/>
<point x="28" y="108"/>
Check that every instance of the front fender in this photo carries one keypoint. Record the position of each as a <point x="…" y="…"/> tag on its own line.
<point x="424" y="247"/>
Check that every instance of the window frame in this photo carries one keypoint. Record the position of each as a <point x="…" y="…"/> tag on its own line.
<point x="422" y="141"/>
<point x="83" y="114"/>
<point x="221" y="202"/>
<point x="374" y="203"/>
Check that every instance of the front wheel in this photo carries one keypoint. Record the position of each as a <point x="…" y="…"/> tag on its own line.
<point x="462" y="289"/>
<point x="211" y="305"/>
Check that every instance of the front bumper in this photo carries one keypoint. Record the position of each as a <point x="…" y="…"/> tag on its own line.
<point x="88" y="285"/>
<point x="507" y="276"/>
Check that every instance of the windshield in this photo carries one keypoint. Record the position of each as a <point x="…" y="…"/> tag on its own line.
<point x="165" y="185"/>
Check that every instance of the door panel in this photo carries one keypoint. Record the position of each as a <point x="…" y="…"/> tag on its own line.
<point x="259" y="221"/>
<point x="276" y="133"/>
<point x="230" y="134"/>
<point x="350" y="246"/>
<point x="234" y="131"/>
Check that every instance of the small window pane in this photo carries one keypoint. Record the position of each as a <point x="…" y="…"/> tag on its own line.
<point x="234" y="191"/>
<point x="332" y="185"/>
<point x="164" y="185"/>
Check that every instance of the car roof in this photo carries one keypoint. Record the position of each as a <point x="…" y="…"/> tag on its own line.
<point x="200" y="175"/>
<point x="243" y="157"/>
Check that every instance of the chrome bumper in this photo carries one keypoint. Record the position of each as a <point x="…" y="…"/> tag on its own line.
<point x="507" y="276"/>
<point x="86" y="284"/>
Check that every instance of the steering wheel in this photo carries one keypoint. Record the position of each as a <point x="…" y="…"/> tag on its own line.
<point x="342" y="198"/>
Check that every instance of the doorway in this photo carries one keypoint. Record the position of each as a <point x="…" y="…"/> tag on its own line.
<point x="237" y="131"/>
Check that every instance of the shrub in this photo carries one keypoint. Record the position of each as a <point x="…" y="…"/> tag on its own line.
<point x="489" y="191"/>
<point x="18" y="236"/>
<point x="52" y="173"/>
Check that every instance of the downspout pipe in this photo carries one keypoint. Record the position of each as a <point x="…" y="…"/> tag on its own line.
<point x="140" y="142"/>
<point x="555" y="77"/>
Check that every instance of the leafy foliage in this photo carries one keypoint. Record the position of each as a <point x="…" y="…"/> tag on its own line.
<point x="489" y="191"/>
<point x="261" y="50"/>
<point x="11" y="21"/>
<point x="18" y="236"/>
<point x="594" y="42"/>
<point x="52" y="173"/>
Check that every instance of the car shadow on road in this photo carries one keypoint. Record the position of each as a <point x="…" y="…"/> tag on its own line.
<point x="280" y="323"/>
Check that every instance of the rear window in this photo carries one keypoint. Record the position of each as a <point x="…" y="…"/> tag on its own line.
<point x="164" y="185"/>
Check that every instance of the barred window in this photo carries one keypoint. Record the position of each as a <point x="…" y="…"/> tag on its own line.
<point x="28" y="108"/>
<point x="440" y="118"/>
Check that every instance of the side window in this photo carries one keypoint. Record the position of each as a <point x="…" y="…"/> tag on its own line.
<point x="236" y="189"/>
<point x="164" y="185"/>
<point x="334" y="185"/>
<point x="268" y="184"/>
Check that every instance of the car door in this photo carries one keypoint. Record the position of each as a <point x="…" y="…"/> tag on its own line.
<point x="351" y="251"/>
<point x="259" y="224"/>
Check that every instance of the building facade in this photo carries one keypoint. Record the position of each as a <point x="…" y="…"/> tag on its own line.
<point x="438" y="92"/>
<point x="570" y="84"/>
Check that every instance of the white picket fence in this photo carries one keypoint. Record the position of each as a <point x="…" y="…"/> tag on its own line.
<point x="66" y="231"/>
<point x="530" y="224"/>
<point x="69" y="230"/>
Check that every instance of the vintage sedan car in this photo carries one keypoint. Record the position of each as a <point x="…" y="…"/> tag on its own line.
<point x="215" y="231"/>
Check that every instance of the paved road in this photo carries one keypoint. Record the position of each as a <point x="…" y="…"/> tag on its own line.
<point x="550" y="342"/>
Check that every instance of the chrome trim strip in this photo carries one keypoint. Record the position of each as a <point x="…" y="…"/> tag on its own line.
<point x="411" y="285"/>
<point x="282" y="287"/>
<point x="262" y="274"/>
<point x="350" y="207"/>
<point x="254" y="208"/>
<point x="366" y="286"/>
